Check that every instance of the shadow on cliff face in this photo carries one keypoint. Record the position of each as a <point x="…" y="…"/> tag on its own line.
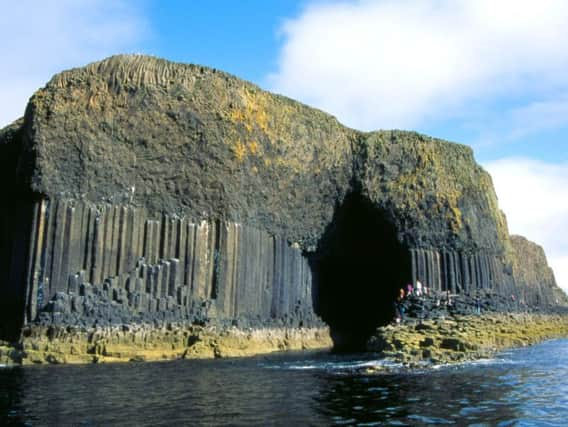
<point x="15" y="228"/>
<point x="16" y="222"/>
<point x="357" y="269"/>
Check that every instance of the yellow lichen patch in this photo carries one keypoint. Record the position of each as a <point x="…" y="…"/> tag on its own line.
<point x="274" y="121"/>
<point x="254" y="148"/>
<point x="237" y="115"/>
<point x="252" y="113"/>
<point x="240" y="151"/>
<point x="262" y="120"/>
<point x="456" y="219"/>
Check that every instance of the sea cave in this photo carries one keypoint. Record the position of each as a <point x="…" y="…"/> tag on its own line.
<point x="358" y="268"/>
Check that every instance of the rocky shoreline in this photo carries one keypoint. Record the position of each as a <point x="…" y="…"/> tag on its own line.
<point x="467" y="329"/>
<point x="140" y="343"/>
<point x="436" y="329"/>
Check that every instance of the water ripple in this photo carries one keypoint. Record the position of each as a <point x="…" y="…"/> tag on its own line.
<point x="525" y="387"/>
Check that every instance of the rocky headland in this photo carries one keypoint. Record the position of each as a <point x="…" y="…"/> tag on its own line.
<point x="160" y="206"/>
<point x="469" y="327"/>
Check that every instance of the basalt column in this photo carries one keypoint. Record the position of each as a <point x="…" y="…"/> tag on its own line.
<point x="115" y="263"/>
<point x="358" y="268"/>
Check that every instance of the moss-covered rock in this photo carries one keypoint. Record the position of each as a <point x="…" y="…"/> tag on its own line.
<point x="463" y="338"/>
<point x="436" y="192"/>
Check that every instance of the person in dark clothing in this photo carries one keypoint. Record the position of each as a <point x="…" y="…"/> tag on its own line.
<point x="398" y="310"/>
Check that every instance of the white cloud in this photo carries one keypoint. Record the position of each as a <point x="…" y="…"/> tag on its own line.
<point x="40" y="38"/>
<point x="387" y="63"/>
<point x="534" y="196"/>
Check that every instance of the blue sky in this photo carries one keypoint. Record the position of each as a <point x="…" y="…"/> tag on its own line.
<point x="488" y="74"/>
<point x="240" y="37"/>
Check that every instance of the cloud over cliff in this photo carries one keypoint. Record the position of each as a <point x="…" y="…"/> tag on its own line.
<point x="535" y="197"/>
<point x="40" y="38"/>
<point x="388" y="64"/>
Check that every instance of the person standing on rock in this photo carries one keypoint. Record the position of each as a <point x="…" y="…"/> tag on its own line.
<point x="396" y="307"/>
<point x="418" y="288"/>
<point x="399" y="309"/>
<point x="448" y="299"/>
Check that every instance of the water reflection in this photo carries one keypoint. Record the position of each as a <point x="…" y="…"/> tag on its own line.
<point x="528" y="387"/>
<point x="450" y="397"/>
<point x="11" y="391"/>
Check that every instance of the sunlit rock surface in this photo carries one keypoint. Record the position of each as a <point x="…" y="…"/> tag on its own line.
<point x="141" y="190"/>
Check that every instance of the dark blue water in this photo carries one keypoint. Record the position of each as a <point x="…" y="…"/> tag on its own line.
<point x="526" y="387"/>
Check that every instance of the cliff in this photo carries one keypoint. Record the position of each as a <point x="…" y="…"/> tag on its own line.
<point x="534" y="278"/>
<point x="144" y="190"/>
<point x="187" y="140"/>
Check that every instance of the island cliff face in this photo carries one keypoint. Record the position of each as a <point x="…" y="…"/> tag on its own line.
<point x="535" y="279"/>
<point x="141" y="190"/>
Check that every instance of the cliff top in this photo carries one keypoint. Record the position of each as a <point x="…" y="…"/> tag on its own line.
<point x="191" y="140"/>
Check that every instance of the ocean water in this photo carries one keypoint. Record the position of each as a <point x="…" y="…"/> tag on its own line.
<point x="524" y="387"/>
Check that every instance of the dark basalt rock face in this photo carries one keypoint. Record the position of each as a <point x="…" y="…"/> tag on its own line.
<point x="141" y="189"/>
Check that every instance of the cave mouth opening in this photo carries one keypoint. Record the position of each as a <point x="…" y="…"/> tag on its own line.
<point x="358" y="269"/>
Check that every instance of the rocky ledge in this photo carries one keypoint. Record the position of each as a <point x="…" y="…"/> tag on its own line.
<point x="140" y="342"/>
<point x="435" y="333"/>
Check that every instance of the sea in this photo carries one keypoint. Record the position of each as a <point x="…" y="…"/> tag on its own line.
<point x="523" y="387"/>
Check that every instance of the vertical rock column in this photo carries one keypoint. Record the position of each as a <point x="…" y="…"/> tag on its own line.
<point x="426" y="266"/>
<point x="457" y="272"/>
<point x="156" y="263"/>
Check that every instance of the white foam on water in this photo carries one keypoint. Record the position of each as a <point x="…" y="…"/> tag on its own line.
<point x="337" y="366"/>
<point x="478" y="362"/>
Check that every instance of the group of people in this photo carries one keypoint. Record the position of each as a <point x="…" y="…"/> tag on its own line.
<point x="419" y="291"/>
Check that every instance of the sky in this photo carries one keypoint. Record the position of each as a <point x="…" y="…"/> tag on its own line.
<point x="483" y="73"/>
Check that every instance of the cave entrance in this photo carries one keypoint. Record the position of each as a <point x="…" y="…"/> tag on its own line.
<point x="358" y="268"/>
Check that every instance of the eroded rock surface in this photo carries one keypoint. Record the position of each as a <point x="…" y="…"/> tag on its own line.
<point x="464" y="338"/>
<point x="533" y="275"/>
<point x="177" y="192"/>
